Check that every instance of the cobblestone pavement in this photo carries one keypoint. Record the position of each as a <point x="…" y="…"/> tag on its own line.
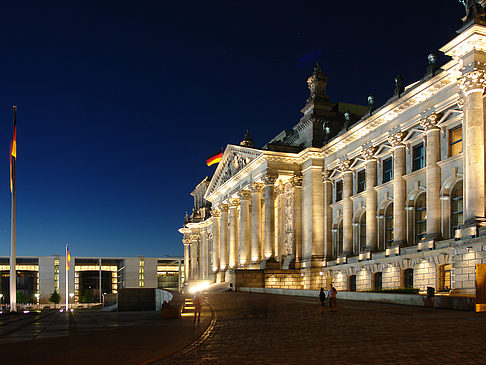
<point x="271" y="329"/>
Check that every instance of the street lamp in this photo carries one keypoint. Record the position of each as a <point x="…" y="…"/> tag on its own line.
<point x="37" y="296"/>
<point x="71" y="295"/>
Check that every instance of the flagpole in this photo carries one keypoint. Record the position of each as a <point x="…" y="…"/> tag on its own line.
<point x="13" y="259"/>
<point x="67" y="277"/>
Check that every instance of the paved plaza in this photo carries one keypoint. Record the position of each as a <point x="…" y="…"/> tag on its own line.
<point x="249" y="328"/>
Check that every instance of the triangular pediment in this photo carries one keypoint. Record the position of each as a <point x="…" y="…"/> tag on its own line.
<point x="235" y="158"/>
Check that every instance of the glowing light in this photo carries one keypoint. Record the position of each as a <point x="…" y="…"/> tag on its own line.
<point x="321" y="273"/>
<point x="199" y="287"/>
<point x="26" y="312"/>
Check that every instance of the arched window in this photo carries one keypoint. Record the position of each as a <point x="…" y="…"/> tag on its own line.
<point x="389" y="225"/>
<point x="352" y="283"/>
<point x="377" y="282"/>
<point x="456" y="206"/>
<point x="362" y="232"/>
<point x="408" y="278"/>
<point x="340" y="238"/>
<point x="420" y="218"/>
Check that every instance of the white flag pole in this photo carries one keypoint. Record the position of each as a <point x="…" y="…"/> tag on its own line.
<point x="67" y="276"/>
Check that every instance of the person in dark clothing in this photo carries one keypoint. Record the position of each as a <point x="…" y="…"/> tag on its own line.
<point x="322" y="298"/>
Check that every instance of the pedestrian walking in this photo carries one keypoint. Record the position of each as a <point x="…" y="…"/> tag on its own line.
<point x="332" y="299"/>
<point x="197" y="307"/>
<point x="322" y="298"/>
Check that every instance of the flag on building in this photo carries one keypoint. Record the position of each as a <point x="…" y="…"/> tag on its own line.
<point x="68" y="258"/>
<point x="13" y="156"/>
<point x="214" y="159"/>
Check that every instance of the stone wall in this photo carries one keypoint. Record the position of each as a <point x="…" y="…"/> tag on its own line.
<point x="249" y="278"/>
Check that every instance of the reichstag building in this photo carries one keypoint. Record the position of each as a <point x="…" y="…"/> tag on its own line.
<point x="368" y="198"/>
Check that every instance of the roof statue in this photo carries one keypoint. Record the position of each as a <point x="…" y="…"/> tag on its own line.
<point x="317" y="83"/>
<point x="475" y="10"/>
<point x="247" y="141"/>
<point x="432" y="68"/>
<point x="399" y="87"/>
<point x="371" y="103"/>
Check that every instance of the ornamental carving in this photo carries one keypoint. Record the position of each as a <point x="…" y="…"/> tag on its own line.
<point x="429" y="123"/>
<point x="233" y="164"/>
<point x="397" y="139"/>
<point x="296" y="180"/>
<point x="369" y="153"/>
<point x="245" y="194"/>
<point x="289" y="218"/>
<point x="257" y="187"/>
<point x="326" y="175"/>
<point x="474" y="80"/>
<point x="224" y="208"/>
<point x="317" y="84"/>
<point x="279" y="189"/>
<point x="234" y="202"/>
<point x="345" y="165"/>
<point x="270" y="179"/>
<point x="216" y="213"/>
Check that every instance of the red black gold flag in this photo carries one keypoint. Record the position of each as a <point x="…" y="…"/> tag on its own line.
<point x="214" y="159"/>
<point x="13" y="155"/>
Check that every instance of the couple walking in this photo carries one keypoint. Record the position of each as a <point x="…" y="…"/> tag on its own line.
<point x="331" y="294"/>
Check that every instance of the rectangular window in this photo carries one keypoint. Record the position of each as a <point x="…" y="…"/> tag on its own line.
<point x="418" y="155"/>
<point x="361" y="181"/>
<point x="455" y="141"/>
<point x="387" y="170"/>
<point x="339" y="191"/>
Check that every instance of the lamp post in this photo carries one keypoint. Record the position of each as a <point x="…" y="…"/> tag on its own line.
<point x="37" y="296"/>
<point x="71" y="295"/>
<point x="1" y="298"/>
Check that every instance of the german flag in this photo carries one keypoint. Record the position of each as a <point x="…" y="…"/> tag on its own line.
<point x="68" y="258"/>
<point x="214" y="159"/>
<point x="13" y="152"/>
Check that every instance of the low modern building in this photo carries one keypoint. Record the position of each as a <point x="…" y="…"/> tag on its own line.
<point x="43" y="275"/>
<point x="391" y="197"/>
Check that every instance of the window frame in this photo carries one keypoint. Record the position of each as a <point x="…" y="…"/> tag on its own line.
<point x="418" y="160"/>
<point x="455" y="224"/>
<point x="417" y="223"/>
<point x="361" y="184"/>
<point x="339" y="192"/>
<point x="384" y="176"/>
<point x="389" y="236"/>
<point x="452" y="143"/>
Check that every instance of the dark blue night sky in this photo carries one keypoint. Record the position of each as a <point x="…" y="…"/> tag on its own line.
<point x="120" y="103"/>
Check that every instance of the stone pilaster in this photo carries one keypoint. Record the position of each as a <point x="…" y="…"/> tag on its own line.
<point x="312" y="213"/>
<point x="256" y="222"/>
<point x="327" y="215"/>
<point x="473" y="84"/>
<point x="216" y="213"/>
<point x="297" y="218"/>
<point x="245" y="228"/>
<point x="399" y="189"/>
<point x="371" y="200"/>
<point x="433" y="178"/>
<point x="223" y="235"/>
<point x="347" y="208"/>
<point x="269" y="217"/>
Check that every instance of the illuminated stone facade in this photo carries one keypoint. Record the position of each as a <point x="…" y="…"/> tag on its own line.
<point x="371" y="199"/>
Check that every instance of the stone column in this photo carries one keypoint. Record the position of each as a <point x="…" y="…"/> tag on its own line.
<point x="327" y="215"/>
<point x="203" y="254"/>
<point x="269" y="217"/>
<point x="216" y="213"/>
<point x="312" y="213"/>
<point x="347" y="208"/>
<point x="473" y="85"/>
<point x="433" y="178"/>
<point x="256" y="222"/>
<point x="245" y="228"/>
<point x="187" y="259"/>
<point x="223" y="235"/>
<point x="233" y="233"/>
<point x="371" y="202"/>
<point x="194" y="256"/>
<point x="399" y="189"/>
<point x="279" y="222"/>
